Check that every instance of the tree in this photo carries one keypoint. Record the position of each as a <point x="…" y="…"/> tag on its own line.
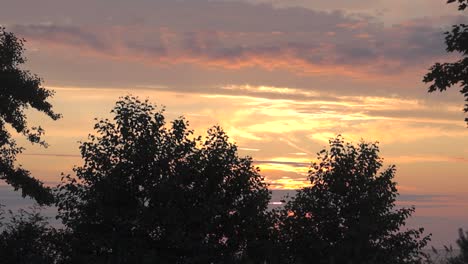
<point x="462" y="4"/>
<point x="28" y="239"/>
<point x="150" y="192"/>
<point x="445" y="75"/>
<point x="348" y="214"/>
<point x="462" y="243"/>
<point x="20" y="90"/>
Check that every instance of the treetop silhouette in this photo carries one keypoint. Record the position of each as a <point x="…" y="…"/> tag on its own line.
<point x="349" y="214"/>
<point x="20" y="90"/>
<point x="445" y="75"/>
<point x="152" y="191"/>
<point x="462" y="4"/>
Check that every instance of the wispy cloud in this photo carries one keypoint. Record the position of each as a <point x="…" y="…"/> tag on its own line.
<point x="323" y="117"/>
<point x="52" y="155"/>
<point x="305" y="42"/>
<point x="427" y="158"/>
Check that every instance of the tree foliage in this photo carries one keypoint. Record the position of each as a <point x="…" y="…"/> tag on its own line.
<point x="27" y="238"/>
<point x="462" y="243"/>
<point x="462" y="4"/>
<point x="20" y="90"/>
<point x="151" y="192"/>
<point x="348" y="214"/>
<point x="445" y="75"/>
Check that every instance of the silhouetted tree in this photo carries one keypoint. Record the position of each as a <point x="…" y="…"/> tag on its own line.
<point x="462" y="243"/>
<point x="20" y="90"/>
<point x="446" y="75"/>
<point x="348" y="215"/>
<point x="150" y="192"/>
<point x="462" y="4"/>
<point x="27" y="238"/>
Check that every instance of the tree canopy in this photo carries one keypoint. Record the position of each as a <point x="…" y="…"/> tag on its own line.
<point x="27" y="238"/>
<point x="152" y="192"/>
<point x="442" y="76"/>
<point x="348" y="214"/>
<point x="20" y="90"/>
<point x="462" y="243"/>
<point x="462" y="4"/>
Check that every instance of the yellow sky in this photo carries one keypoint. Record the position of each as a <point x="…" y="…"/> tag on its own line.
<point x="283" y="135"/>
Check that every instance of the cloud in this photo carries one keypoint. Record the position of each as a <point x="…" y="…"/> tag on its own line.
<point x="279" y="162"/>
<point x="426" y="158"/>
<point x="52" y="155"/>
<point x="323" y="116"/>
<point x="390" y="11"/>
<point x="62" y="35"/>
<point x="234" y="35"/>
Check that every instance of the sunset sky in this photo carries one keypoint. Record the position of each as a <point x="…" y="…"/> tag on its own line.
<point x="280" y="76"/>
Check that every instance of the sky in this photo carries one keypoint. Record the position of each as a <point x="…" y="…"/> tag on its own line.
<point x="281" y="77"/>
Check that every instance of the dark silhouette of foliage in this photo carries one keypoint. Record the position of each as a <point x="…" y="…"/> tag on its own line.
<point x="445" y="75"/>
<point x="462" y="4"/>
<point x="440" y="256"/>
<point x="462" y="243"/>
<point x="348" y="215"/>
<point x="28" y="239"/>
<point x="150" y="192"/>
<point x="20" y="90"/>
